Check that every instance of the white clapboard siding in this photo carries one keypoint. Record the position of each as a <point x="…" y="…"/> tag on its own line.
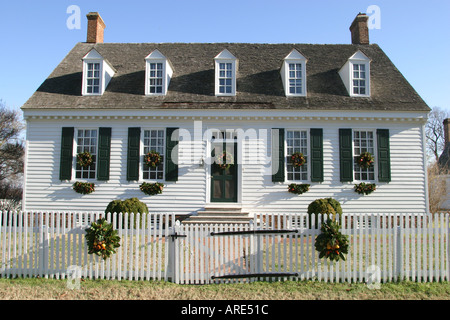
<point x="257" y="193"/>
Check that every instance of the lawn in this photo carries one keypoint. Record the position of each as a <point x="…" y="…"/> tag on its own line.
<point x="53" y="289"/>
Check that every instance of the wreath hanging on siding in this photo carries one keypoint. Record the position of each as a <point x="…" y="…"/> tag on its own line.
<point x="83" y="187"/>
<point x="151" y="188"/>
<point x="297" y="159"/>
<point x="331" y="243"/>
<point x="224" y="160"/>
<point x="298" y="188"/>
<point x="152" y="159"/>
<point x="365" y="188"/>
<point x="85" y="159"/>
<point x="366" y="160"/>
<point x="102" y="239"/>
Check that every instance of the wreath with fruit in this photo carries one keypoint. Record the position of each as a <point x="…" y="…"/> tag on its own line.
<point x="102" y="239"/>
<point x="224" y="160"/>
<point x="83" y="187"/>
<point x="151" y="188"/>
<point x="152" y="159"/>
<point x="297" y="159"/>
<point x="331" y="243"/>
<point x="365" y="160"/>
<point x="85" y="159"/>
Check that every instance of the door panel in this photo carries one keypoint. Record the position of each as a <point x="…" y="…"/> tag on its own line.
<point x="224" y="180"/>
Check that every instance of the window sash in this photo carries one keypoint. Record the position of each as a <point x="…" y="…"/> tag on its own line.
<point x="93" y="78"/>
<point x="359" y="79"/>
<point x="225" y="77"/>
<point x="87" y="141"/>
<point x="297" y="141"/>
<point x="154" y="140"/>
<point x="295" y="78"/>
<point x="156" y="72"/>
<point x="363" y="141"/>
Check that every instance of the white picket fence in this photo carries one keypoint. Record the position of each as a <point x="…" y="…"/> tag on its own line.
<point x="383" y="248"/>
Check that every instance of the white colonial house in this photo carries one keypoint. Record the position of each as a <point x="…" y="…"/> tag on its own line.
<point x="262" y="103"/>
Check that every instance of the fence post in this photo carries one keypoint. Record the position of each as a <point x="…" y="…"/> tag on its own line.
<point x="172" y="261"/>
<point x="399" y="269"/>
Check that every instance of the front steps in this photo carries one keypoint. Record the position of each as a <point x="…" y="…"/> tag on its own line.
<point x="216" y="215"/>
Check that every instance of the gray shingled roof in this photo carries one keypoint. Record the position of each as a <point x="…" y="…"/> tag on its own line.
<point x="259" y="82"/>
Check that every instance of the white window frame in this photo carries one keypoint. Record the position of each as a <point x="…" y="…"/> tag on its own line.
<point x="294" y="58"/>
<point x="356" y="168"/>
<point x="303" y="170"/>
<point x="143" y="153"/>
<point x="227" y="58"/>
<point x="365" y="79"/>
<point x="156" y="57"/>
<point x="156" y="77"/>
<point x="75" y="151"/>
<point x="86" y="78"/>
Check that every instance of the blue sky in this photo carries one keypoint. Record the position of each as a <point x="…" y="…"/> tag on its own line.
<point x="35" y="37"/>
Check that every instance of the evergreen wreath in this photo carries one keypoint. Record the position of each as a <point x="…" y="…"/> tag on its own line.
<point x="365" y="188"/>
<point x="365" y="160"/>
<point x="297" y="159"/>
<point x="83" y="187"/>
<point x="84" y="159"/>
<point x="298" y="188"/>
<point x="102" y="239"/>
<point x="151" y="188"/>
<point x="224" y="160"/>
<point x="152" y="159"/>
<point x="331" y="243"/>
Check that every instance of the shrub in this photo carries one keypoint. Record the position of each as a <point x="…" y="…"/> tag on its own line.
<point x="324" y="206"/>
<point x="132" y="205"/>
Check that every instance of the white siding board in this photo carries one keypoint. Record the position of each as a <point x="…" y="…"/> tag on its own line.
<point x="405" y="193"/>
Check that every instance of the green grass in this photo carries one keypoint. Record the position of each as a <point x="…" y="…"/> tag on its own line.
<point x="52" y="289"/>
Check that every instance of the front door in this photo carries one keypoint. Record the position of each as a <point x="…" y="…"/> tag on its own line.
<point x="224" y="170"/>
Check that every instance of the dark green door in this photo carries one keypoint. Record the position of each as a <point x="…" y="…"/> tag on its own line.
<point x="224" y="170"/>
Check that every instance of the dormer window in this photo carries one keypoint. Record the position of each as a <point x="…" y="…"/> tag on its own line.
<point x="158" y="74"/>
<point x="293" y="74"/>
<point x="356" y="75"/>
<point x="93" y="78"/>
<point x="97" y="72"/>
<point x="225" y="66"/>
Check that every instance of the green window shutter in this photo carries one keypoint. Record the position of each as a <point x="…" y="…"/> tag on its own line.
<point x="103" y="155"/>
<point x="66" y="162"/>
<point x="346" y="155"/>
<point x="133" y="153"/>
<point x="171" y="162"/>
<point x="278" y="155"/>
<point x="316" y="155"/>
<point x="384" y="157"/>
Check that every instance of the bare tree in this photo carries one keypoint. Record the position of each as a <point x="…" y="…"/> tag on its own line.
<point x="434" y="131"/>
<point x="11" y="150"/>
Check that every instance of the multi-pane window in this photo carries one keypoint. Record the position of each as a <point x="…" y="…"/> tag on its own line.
<point x="154" y="141"/>
<point x="156" y="78"/>
<point x="87" y="141"/>
<point x="295" y="78"/>
<point x="297" y="141"/>
<point x="225" y="78"/>
<point x="93" y="78"/>
<point x="363" y="141"/>
<point x="359" y="79"/>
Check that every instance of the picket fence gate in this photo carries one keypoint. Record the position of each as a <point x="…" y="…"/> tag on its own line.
<point x="382" y="248"/>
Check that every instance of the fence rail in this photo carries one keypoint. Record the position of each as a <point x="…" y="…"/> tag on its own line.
<point x="383" y="248"/>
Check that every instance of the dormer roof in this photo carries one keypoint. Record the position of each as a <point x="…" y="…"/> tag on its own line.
<point x="259" y="84"/>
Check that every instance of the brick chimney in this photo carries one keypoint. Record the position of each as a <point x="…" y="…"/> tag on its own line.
<point x="96" y="27"/>
<point x="360" y="29"/>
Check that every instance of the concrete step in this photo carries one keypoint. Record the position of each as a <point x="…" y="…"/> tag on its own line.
<point x="212" y="215"/>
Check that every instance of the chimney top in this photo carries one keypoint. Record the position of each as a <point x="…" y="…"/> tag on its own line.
<point x="96" y="27"/>
<point x="360" y="30"/>
<point x="447" y="131"/>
